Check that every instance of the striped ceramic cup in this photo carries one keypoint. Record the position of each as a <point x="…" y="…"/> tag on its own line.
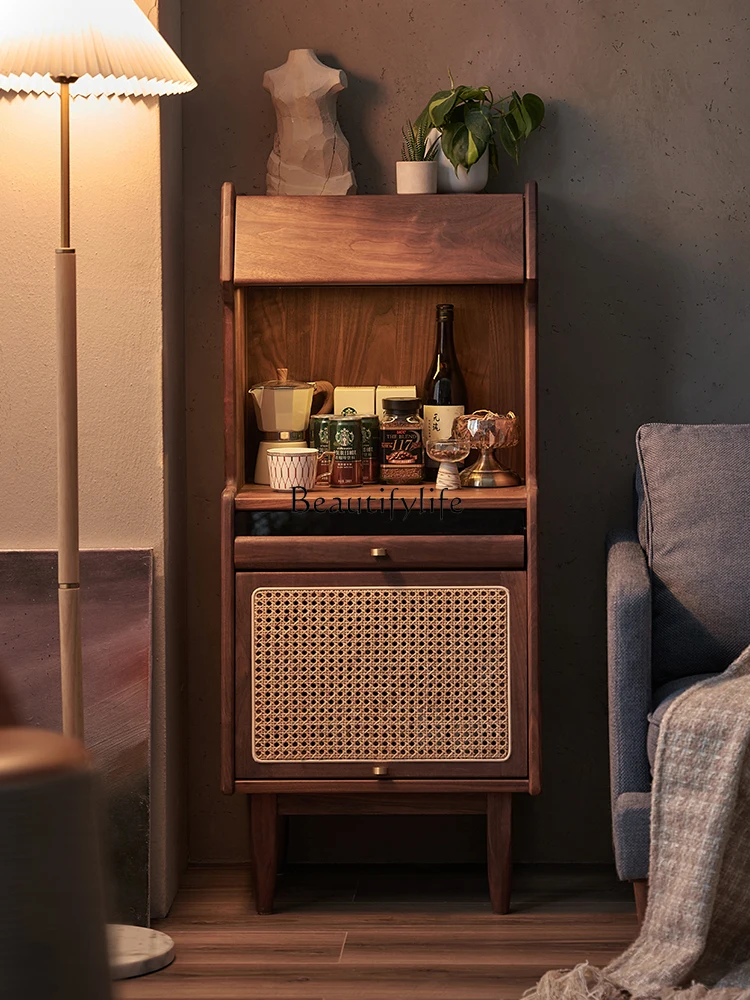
<point x="290" y="467"/>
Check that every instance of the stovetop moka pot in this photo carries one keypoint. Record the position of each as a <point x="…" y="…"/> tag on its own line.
<point x="282" y="409"/>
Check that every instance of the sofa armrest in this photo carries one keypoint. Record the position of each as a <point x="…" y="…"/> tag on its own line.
<point x="629" y="660"/>
<point x="631" y="828"/>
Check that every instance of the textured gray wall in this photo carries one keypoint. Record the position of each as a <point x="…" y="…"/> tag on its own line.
<point x="644" y="261"/>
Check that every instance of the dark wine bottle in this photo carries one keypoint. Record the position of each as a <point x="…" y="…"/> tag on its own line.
<point x="444" y="388"/>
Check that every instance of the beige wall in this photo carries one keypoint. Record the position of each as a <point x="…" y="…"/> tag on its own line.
<point x="124" y="268"/>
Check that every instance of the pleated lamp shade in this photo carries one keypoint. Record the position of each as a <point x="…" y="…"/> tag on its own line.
<point x="109" y="46"/>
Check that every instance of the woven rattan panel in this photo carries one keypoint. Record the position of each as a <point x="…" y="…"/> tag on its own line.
<point x="381" y="673"/>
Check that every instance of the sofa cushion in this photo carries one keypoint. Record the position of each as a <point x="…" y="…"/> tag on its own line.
<point x="694" y="525"/>
<point x="663" y="698"/>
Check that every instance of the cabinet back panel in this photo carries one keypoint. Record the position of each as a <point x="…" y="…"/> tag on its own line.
<point x="385" y="335"/>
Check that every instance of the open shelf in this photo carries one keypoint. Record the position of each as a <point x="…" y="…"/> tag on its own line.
<point x="254" y="497"/>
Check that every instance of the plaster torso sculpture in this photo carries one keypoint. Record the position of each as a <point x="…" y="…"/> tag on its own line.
<point x="310" y="153"/>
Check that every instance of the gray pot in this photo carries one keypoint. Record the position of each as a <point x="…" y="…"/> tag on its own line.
<point x="466" y="181"/>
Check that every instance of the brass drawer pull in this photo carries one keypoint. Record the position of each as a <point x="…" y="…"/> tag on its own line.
<point x="379" y="553"/>
<point x="379" y="771"/>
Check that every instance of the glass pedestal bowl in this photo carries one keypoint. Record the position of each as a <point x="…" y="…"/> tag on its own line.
<point x="448" y="452"/>
<point x="485" y="431"/>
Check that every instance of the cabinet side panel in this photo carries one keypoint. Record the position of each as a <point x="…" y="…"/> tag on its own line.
<point x="240" y="396"/>
<point x="233" y="458"/>
<point x="227" y="639"/>
<point x="226" y="249"/>
<point x="530" y="338"/>
<point x="530" y="331"/>
<point x="532" y="580"/>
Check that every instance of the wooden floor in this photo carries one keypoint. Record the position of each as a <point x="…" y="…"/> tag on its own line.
<point x="367" y="933"/>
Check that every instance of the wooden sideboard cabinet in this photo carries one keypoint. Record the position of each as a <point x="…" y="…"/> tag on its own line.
<point x="380" y="661"/>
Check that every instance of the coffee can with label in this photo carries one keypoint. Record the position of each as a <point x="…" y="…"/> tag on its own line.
<point x="370" y="448"/>
<point x="346" y="445"/>
<point x="320" y="439"/>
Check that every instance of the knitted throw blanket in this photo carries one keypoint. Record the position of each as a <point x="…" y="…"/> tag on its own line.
<point x="695" y="939"/>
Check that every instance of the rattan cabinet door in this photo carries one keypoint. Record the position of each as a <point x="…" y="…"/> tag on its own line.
<point x="340" y="673"/>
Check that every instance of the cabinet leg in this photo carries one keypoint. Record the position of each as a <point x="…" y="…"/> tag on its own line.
<point x="498" y="850"/>
<point x="264" y="847"/>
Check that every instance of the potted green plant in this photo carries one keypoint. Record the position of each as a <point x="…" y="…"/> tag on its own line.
<point x="416" y="171"/>
<point x="468" y="121"/>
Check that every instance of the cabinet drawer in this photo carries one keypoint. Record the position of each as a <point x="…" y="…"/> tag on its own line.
<point x="380" y="552"/>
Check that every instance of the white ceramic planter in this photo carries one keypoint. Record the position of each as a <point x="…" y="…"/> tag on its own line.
<point x="416" y="176"/>
<point x="466" y="181"/>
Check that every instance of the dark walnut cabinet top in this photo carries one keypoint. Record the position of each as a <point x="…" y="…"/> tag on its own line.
<point x="390" y="239"/>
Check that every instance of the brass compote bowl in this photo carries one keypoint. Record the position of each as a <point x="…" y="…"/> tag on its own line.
<point x="485" y="431"/>
<point x="448" y="453"/>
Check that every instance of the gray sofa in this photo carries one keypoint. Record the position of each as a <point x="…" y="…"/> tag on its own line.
<point x="678" y="601"/>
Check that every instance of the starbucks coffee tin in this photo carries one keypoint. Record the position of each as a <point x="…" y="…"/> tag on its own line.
<point x="320" y="439"/>
<point x="370" y="448"/>
<point x="346" y="445"/>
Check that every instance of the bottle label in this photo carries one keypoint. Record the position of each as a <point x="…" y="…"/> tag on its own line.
<point x="400" y="446"/>
<point x="438" y="421"/>
<point x="346" y="445"/>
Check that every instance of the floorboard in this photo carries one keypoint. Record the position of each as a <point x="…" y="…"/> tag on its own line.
<point x="381" y="933"/>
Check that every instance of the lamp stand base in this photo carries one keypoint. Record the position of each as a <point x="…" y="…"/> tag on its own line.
<point x="136" y="951"/>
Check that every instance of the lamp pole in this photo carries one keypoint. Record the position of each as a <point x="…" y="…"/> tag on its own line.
<point x="105" y="48"/>
<point x="68" y="571"/>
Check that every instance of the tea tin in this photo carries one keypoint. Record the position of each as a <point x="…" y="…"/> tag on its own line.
<point x="320" y="439"/>
<point x="370" y="447"/>
<point x="346" y="444"/>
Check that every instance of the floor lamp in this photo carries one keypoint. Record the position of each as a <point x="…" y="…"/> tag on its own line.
<point x="90" y="48"/>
